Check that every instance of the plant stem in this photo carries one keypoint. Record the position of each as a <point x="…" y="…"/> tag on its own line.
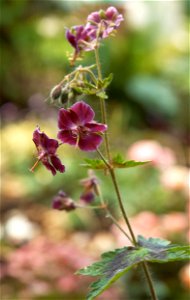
<point x="113" y="177"/>
<point x="104" y="205"/>
<point x="149" y="280"/>
<point x="103" y="106"/>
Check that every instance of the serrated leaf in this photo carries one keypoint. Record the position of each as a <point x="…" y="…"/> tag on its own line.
<point x="119" y="162"/>
<point x="115" y="263"/>
<point x="94" y="164"/>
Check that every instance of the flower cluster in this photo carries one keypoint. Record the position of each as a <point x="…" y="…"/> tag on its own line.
<point x="76" y="127"/>
<point x="99" y="26"/>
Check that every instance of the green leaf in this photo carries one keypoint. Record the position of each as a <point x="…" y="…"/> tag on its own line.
<point x="119" y="162"/>
<point x="94" y="164"/>
<point x="101" y="94"/>
<point x="115" y="263"/>
<point x="106" y="81"/>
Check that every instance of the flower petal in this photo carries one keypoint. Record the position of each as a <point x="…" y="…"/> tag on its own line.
<point x="49" y="166"/>
<point x="96" y="127"/>
<point x="71" y="38"/>
<point x="90" y="142"/>
<point x="84" y="112"/>
<point x="52" y="146"/>
<point x="66" y="136"/>
<point x="67" y="119"/>
<point x="56" y="162"/>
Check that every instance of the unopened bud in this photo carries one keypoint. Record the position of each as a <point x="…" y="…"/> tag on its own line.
<point x="102" y="14"/>
<point x="56" y="92"/>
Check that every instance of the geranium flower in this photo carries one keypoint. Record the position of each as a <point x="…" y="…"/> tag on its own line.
<point x="105" y="21"/>
<point x="63" y="202"/>
<point x="47" y="152"/>
<point x="81" y="38"/>
<point x="90" y="185"/>
<point x="78" y="128"/>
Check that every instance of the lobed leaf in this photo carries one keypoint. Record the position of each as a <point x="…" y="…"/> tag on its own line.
<point x="94" y="164"/>
<point x="119" y="162"/>
<point x="115" y="263"/>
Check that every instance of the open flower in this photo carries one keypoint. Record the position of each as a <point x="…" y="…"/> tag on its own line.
<point x="82" y="38"/>
<point x="105" y="21"/>
<point x="78" y="128"/>
<point x="47" y="152"/>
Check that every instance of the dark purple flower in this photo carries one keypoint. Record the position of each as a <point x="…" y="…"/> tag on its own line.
<point x="63" y="202"/>
<point x="47" y="152"/>
<point x="78" y="128"/>
<point x="105" y="21"/>
<point x="90" y="185"/>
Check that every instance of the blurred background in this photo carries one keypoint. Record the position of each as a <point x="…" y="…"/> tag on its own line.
<point x="148" y="120"/>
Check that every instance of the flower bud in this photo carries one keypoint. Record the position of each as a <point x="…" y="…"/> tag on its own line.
<point x="102" y="14"/>
<point x="56" y="92"/>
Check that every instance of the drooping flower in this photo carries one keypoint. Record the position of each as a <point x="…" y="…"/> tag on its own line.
<point x="105" y="22"/>
<point x="99" y="26"/>
<point x="90" y="185"/>
<point x="82" y="38"/>
<point x="78" y="128"/>
<point x="47" y="148"/>
<point x="63" y="202"/>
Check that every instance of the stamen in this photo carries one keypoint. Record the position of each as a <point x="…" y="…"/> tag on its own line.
<point x="34" y="166"/>
<point x="77" y="142"/>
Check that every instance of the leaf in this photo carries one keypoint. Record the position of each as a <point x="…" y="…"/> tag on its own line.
<point x="115" y="263"/>
<point x="119" y="162"/>
<point x="94" y="164"/>
<point x="106" y="81"/>
<point x="101" y="94"/>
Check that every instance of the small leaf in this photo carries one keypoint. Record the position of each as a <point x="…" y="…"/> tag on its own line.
<point x="119" y="162"/>
<point x="101" y="94"/>
<point x="115" y="263"/>
<point x="94" y="164"/>
<point x="106" y="81"/>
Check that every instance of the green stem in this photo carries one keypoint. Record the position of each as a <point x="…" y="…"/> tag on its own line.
<point x="133" y="240"/>
<point x="149" y="279"/>
<point x="113" y="177"/>
<point x="109" y="215"/>
<point x="103" y="106"/>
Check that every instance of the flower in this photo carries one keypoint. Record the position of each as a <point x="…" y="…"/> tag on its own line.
<point x="63" y="202"/>
<point x="47" y="152"/>
<point x="105" y="22"/>
<point x="78" y="128"/>
<point x="82" y="38"/>
<point x="99" y="26"/>
<point x="90" y="185"/>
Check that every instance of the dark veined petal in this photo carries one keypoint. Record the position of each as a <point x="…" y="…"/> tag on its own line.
<point x="71" y="38"/>
<point x="67" y="119"/>
<point x="90" y="142"/>
<point x="52" y="146"/>
<point x="37" y="137"/>
<point x="66" y="136"/>
<point x="96" y="127"/>
<point x="84" y="112"/>
<point x="48" y="166"/>
<point x="56" y="162"/>
<point x="87" y="196"/>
